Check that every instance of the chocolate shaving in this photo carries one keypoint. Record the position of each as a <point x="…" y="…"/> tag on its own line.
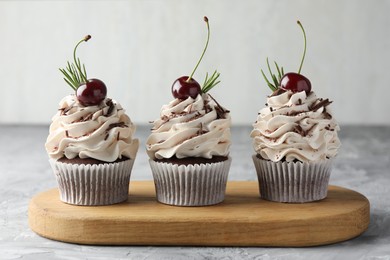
<point x="105" y="138"/>
<point x="201" y="130"/>
<point x="294" y="113"/>
<point x="83" y="119"/>
<point x="190" y="108"/>
<point x="66" y="133"/>
<point x="220" y="113"/>
<point x="309" y="130"/>
<point x="88" y="117"/>
<point x="111" y="126"/>
<point x="322" y="103"/>
<point x="166" y="119"/>
<point x="64" y="110"/>
<point x="299" y="101"/>
<point x="327" y="115"/>
<point x="207" y="108"/>
<point x="111" y="106"/>
<point x="298" y="129"/>
<point x="198" y="115"/>
<point x="120" y="124"/>
<point x="277" y="92"/>
<point x="219" y="109"/>
<point x="118" y="136"/>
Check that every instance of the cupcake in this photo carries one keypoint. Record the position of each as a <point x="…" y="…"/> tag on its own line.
<point x="90" y="144"/>
<point x="189" y="145"/>
<point x="295" y="140"/>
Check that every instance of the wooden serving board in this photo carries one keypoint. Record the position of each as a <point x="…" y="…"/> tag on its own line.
<point x="243" y="219"/>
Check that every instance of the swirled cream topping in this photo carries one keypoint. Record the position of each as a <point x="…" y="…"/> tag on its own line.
<point x="197" y="127"/>
<point x="296" y="126"/>
<point x="103" y="132"/>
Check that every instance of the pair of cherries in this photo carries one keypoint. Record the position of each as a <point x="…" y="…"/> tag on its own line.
<point x="186" y="86"/>
<point x="292" y="81"/>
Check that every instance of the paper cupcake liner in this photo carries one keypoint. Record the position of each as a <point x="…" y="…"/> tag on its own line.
<point x="293" y="182"/>
<point x="93" y="184"/>
<point x="191" y="185"/>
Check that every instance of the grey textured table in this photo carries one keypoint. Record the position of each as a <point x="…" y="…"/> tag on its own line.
<point x="363" y="164"/>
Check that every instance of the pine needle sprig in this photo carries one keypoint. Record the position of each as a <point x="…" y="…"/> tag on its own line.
<point x="211" y="82"/>
<point x="275" y="79"/>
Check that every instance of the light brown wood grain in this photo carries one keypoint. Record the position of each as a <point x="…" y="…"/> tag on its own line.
<point x="243" y="219"/>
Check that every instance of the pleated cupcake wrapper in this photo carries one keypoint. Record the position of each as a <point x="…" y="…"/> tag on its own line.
<point x="293" y="182"/>
<point x="92" y="185"/>
<point x="191" y="185"/>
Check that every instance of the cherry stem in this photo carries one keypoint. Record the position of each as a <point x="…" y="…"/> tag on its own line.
<point x="304" y="50"/>
<point x="204" y="50"/>
<point x="77" y="61"/>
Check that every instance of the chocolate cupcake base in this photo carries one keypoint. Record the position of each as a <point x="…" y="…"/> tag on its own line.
<point x="190" y="184"/>
<point x="93" y="184"/>
<point x="293" y="182"/>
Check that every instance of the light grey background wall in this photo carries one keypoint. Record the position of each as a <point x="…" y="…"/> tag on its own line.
<point x="140" y="47"/>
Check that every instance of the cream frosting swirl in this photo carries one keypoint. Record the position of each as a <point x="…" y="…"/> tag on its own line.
<point x="197" y="127"/>
<point x="296" y="126"/>
<point x="103" y="132"/>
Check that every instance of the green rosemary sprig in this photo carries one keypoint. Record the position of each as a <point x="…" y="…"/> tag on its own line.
<point x="275" y="80"/>
<point x="75" y="73"/>
<point x="211" y="82"/>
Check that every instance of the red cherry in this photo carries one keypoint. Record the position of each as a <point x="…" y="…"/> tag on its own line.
<point x="183" y="89"/>
<point x="295" y="82"/>
<point x="92" y="92"/>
